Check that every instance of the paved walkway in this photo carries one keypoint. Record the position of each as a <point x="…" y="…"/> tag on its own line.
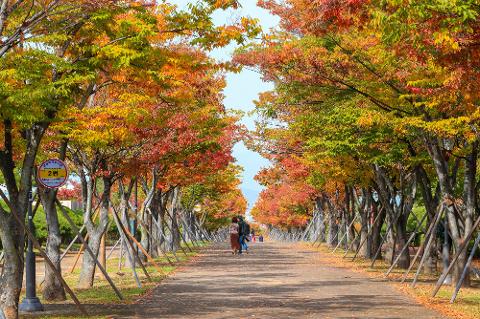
<point x="273" y="281"/>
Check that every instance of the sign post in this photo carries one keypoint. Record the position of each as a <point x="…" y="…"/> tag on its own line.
<point x="51" y="174"/>
<point x="31" y="303"/>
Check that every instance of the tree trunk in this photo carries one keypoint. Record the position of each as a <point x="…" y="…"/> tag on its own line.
<point x="52" y="287"/>
<point x="365" y="249"/>
<point x="390" y="241"/>
<point x="458" y="270"/>
<point x="431" y="203"/>
<point x="453" y="209"/>
<point x="12" y="272"/>
<point x="125" y="194"/>
<point x="431" y="260"/>
<point x="11" y="235"/>
<point x="332" y="235"/>
<point x="103" y="252"/>
<point x="144" y="239"/>
<point x="153" y="244"/>
<point x="376" y="231"/>
<point x="468" y="212"/>
<point x="191" y="225"/>
<point x="401" y="240"/>
<point x="397" y="196"/>
<point x="155" y="208"/>
<point x="95" y="235"/>
<point x="161" y="221"/>
<point x="88" y="265"/>
<point x="364" y="207"/>
<point x="350" y="217"/>
<point x="175" y="234"/>
<point x="320" y="228"/>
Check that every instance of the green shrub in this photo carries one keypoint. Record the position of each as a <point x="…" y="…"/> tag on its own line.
<point x="66" y="232"/>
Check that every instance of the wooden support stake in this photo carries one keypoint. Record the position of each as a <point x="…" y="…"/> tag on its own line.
<point x="82" y="247"/>
<point x="412" y="236"/>
<point x="159" y="246"/>
<point x="70" y="245"/>
<point x="424" y="253"/>
<point x="179" y="232"/>
<point x="465" y="269"/>
<point x="344" y="235"/>
<point x="188" y="230"/>
<point x="103" y="252"/>
<point x="317" y="239"/>
<point x="454" y="260"/>
<point x="144" y="251"/>
<point x="121" y="254"/>
<point x="390" y="227"/>
<point x="171" y="231"/>
<point x="309" y="226"/>
<point x="79" y="253"/>
<point x="113" y="248"/>
<point x="160" y="230"/>
<point x="75" y="229"/>
<point x="124" y="239"/>
<point x="76" y="237"/>
<point x="366" y="238"/>
<point x="349" y="248"/>
<point x="134" y="251"/>
<point x="37" y="204"/>
<point x="196" y="222"/>
<point x="427" y="235"/>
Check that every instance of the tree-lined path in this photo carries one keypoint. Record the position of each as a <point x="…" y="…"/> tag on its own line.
<point x="120" y="128"/>
<point x="275" y="281"/>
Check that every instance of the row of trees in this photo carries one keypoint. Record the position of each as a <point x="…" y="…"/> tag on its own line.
<point x="124" y="92"/>
<point x="374" y="115"/>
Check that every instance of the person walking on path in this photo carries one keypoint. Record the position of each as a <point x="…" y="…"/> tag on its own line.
<point x="243" y="231"/>
<point x="234" y="236"/>
<point x="247" y="237"/>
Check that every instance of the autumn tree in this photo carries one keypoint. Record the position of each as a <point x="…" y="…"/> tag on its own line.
<point x="34" y="73"/>
<point x="61" y="58"/>
<point x="376" y="86"/>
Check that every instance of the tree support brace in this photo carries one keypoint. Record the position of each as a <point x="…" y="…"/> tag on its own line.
<point x="159" y="268"/>
<point x="75" y="229"/>
<point x="122" y="228"/>
<point x="454" y="260"/>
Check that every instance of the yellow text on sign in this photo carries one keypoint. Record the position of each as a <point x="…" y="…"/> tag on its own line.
<point x="53" y="173"/>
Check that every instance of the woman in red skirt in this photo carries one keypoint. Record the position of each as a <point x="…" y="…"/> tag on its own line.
<point x="234" y="237"/>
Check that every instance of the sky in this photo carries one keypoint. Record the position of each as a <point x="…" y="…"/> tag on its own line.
<point x="242" y="89"/>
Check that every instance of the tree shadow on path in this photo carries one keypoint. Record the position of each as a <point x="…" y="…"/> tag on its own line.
<point x="273" y="281"/>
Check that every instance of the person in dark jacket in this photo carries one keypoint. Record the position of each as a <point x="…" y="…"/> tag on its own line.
<point x="243" y="232"/>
